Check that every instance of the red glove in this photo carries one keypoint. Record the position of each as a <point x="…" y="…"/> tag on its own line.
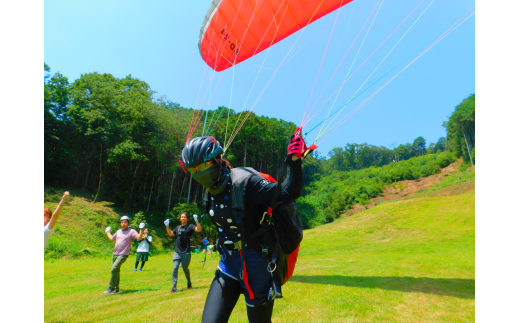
<point x="296" y="145"/>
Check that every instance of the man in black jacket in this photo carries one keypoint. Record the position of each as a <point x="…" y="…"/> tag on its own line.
<point x="182" y="252"/>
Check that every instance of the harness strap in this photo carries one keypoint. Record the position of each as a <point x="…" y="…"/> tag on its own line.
<point x="244" y="275"/>
<point x="275" y="253"/>
<point x="257" y="233"/>
<point x="273" y="204"/>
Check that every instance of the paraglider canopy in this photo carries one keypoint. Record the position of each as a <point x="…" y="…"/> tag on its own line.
<point x="235" y="30"/>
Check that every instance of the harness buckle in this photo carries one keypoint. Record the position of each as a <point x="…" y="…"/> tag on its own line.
<point x="238" y="245"/>
<point x="270" y="294"/>
<point x="264" y="250"/>
<point x="264" y="218"/>
<point x="227" y="242"/>
<point x="269" y="267"/>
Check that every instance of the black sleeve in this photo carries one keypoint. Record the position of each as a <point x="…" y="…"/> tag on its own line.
<point x="260" y="191"/>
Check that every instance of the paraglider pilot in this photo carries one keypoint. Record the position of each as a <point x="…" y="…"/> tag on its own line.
<point x="202" y="157"/>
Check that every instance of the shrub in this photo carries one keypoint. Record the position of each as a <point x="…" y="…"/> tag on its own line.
<point x="340" y="190"/>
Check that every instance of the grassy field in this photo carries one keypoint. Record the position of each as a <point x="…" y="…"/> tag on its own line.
<point x="408" y="261"/>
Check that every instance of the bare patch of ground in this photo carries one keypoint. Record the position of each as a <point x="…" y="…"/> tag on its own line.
<point x="405" y="189"/>
<point x="410" y="188"/>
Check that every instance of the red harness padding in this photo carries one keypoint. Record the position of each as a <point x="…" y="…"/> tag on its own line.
<point x="291" y="264"/>
<point x="246" y="280"/>
<point x="268" y="177"/>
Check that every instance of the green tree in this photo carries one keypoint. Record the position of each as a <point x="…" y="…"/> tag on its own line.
<point x="461" y="128"/>
<point x="441" y="144"/>
<point x="419" y="146"/>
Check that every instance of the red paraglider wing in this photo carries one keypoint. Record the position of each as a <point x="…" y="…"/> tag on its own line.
<point x="235" y="30"/>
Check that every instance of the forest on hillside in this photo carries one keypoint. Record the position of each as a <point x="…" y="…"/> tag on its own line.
<point x="114" y="138"/>
<point x="357" y="173"/>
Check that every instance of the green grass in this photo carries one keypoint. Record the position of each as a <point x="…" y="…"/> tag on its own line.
<point x="409" y="261"/>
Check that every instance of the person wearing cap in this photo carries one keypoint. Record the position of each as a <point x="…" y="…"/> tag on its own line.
<point x="123" y="239"/>
<point x="182" y="252"/>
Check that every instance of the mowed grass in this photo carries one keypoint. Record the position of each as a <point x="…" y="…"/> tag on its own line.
<point x="408" y="261"/>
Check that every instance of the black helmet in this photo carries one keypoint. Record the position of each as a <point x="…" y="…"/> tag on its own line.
<point x="200" y="150"/>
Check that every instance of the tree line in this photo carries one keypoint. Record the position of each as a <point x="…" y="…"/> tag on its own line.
<point x="111" y="137"/>
<point x="114" y="138"/>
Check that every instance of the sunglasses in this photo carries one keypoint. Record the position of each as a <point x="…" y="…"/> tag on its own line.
<point x="200" y="168"/>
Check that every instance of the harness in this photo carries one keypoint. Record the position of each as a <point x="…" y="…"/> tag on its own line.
<point x="240" y="177"/>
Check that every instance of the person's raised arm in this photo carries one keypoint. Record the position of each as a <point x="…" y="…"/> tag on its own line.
<point x="168" y="230"/>
<point x="57" y="212"/>
<point x="141" y="231"/>
<point x="199" y="227"/>
<point x="260" y="191"/>
<point x="109" y="235"/>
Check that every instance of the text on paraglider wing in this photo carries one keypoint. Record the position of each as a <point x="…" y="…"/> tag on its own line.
<point x="232" y="46"/>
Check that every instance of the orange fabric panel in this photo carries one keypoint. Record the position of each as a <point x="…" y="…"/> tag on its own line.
<point x="240" y="29"/>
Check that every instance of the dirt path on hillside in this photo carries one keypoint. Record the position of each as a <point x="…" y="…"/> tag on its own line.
<point x="409" y="188"/>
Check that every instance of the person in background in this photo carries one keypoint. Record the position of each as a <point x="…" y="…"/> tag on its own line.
<point x="123" y="239"/>
<point x="50" y="219"/>
<point x="182" y="252"/>
<point x="143" y="249"/>
<point x="205" y="244"/>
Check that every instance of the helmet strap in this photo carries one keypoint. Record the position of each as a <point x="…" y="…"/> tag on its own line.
<point x="220" y="185"/>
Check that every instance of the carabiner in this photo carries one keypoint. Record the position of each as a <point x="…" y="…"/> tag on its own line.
<point x="263" y="217"/>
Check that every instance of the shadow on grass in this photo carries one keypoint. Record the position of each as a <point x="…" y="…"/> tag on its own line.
<point x="462" y="288"/>
<point x="129" y="291"/>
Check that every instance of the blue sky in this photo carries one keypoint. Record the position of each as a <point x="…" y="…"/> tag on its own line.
<point x="157" y="42"/>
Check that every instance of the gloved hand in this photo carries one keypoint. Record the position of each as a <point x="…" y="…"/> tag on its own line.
<point x="167" y="222"/>
<point x="296" y="145"/>
<point x="141" y="225"/>
<point x="149" y="238"/>
<point x="196" y="217"/>
<point x="107" y="229"/>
